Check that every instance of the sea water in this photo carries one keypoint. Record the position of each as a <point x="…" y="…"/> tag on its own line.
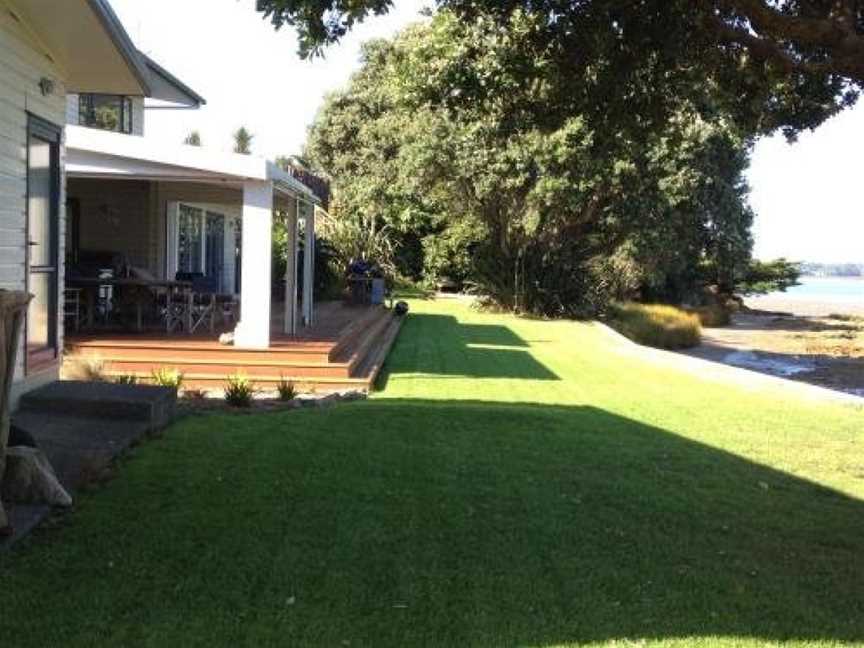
<point x="841" y="290"/>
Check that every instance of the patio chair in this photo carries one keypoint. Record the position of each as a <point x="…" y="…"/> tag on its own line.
<point x="205" y="292"/>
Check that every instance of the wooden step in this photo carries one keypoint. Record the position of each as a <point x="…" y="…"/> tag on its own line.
<point x="165" y="353"/>
<point x="357" y="331"/>
<point x="222" y="368"/>
<point x="210" y="382"/>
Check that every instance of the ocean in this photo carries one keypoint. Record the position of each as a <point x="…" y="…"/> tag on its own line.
<point x="827" y="289"/>
<point x="817" y="296"/>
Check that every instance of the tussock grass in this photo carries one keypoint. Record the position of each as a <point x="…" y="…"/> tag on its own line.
<point x="712" y="316"/>
<point x="656" y="325"/>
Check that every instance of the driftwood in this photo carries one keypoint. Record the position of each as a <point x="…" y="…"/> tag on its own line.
<point x="12" y="308"/>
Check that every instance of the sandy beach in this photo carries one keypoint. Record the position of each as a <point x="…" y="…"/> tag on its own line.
<point x="804" y="344"/>
<point x="805" y="307"/>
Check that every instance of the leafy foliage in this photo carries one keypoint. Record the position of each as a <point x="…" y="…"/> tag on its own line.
<point x="165" y="377"/>
<point x="243" y="141"/>
<point x="239" y="391"/>
<point x="769" y="276"/>
<point x="287" y="389"/>
<point x="193" y="139"/>
<point x="773" y="63"/>
<point x="549" y="216"/>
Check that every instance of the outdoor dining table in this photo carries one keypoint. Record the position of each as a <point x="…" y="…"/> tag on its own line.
<point x="91" y="285"/>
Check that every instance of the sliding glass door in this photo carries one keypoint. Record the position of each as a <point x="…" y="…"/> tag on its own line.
<point x="42" y="258"/>
<point x="200" y="243"/>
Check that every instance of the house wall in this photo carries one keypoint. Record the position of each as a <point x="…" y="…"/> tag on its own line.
<point x="138" y="113"/>
<point x="24" y="63"/>
<point x="115" y="216"/>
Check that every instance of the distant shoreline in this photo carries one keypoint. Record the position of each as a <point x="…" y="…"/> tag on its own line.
<point x="804" y="306"/>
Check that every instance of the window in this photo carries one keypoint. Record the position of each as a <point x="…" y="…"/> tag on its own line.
<point x="106" y="112"/>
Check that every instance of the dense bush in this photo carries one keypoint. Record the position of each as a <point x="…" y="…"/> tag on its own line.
<point x="657" y="325"/>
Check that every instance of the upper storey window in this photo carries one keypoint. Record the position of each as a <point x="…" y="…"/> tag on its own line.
<point x="106" y="112"/>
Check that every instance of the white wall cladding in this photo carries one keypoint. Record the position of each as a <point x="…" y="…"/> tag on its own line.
<point x="114" y="217"/>
<point x="22" y="64"/>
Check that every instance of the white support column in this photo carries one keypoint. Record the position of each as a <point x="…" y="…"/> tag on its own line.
<point x="290" y="318"/>
<point x="308" y="264"/>
<point x="253" y="329"/>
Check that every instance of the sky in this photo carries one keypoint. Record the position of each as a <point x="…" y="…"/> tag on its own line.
<point x="806" y="195"/>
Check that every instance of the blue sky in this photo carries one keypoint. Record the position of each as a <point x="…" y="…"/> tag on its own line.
<point x="806" y="196"/>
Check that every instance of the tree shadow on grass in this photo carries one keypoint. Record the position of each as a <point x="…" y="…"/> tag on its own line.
<point x="414" y="522"/>
<point x="440" y="345"/>
<point x="538" y="525"/>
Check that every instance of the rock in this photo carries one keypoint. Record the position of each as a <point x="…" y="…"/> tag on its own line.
<point x="30" y="479"/>
<point x="352" y="395"/>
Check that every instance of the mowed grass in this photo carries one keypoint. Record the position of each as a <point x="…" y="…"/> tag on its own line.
<point x="517" y="482"/>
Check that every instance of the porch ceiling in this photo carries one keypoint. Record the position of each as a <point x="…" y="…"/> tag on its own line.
<point x="92" y="153"/>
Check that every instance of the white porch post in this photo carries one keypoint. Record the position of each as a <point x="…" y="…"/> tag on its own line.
<point x="253" y="329"/>
<point x="290" y="319"/>
<point x="308" y="264"/>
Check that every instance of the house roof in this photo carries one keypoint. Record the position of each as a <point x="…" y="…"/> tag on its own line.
<point x="167" y="87"/>
<point x="92" y="153"/>
<point x="87" y="43"/>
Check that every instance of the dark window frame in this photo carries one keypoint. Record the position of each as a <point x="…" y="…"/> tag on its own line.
<point x="86" y="110"/>
<point x="52" y="134"/>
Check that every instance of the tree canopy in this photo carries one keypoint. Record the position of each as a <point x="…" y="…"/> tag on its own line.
<point x="243" y="141"/>
<point x="552" y="212"/>
<point x="772" y="64"/>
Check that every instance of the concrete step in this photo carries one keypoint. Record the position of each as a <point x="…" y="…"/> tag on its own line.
<point x="79" y="447"/>
<point x="149" y="405"/>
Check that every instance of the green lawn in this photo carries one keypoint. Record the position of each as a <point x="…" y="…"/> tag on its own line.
<point x="516" y="483"/>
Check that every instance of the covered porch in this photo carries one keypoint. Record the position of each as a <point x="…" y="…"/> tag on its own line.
<point x="184" y="233"/>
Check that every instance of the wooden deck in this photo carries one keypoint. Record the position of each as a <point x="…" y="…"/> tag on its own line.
<point x="343" y="350"/>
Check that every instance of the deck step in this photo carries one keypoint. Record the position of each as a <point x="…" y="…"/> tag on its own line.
<point x="349" y="362"/>
<point x="151" y="352"/>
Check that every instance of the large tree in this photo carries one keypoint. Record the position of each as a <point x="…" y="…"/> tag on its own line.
<point x="786" y="64"/>
<point x="551" y="214"/>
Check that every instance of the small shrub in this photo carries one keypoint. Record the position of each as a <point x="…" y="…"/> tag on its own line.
<point x="657" y="325"/>
<point x="127" y="379"/>
<point x="712" y="316"/>
<point x="165" y="377"/>
<point x="194" y="394"/>
<point x="287" y="390"/>
<point x="239" y="391"/>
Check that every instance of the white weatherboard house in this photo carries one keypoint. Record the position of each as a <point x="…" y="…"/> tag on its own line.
<point x="126" y="243"/>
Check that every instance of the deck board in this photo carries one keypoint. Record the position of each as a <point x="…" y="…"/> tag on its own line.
<point x="329" y="354"/>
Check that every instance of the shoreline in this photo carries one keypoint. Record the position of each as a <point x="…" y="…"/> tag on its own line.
<point x="794" y="339"/>
<point x="803" y="306"/>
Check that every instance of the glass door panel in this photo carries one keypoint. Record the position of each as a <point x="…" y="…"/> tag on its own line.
<point x="43" y="213"/>
<point x="214" y="252"/>
<point x="189" y="239"/>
